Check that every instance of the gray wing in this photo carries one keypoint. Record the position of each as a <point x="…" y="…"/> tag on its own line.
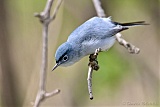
<point x="94" y="29"/>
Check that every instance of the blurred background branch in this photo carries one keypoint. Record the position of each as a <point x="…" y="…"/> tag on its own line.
<point x="8" y="92"/>
<point x="45" y="20"/>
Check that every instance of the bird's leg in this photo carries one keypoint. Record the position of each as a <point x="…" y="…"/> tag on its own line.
<point x="93" y="60"/>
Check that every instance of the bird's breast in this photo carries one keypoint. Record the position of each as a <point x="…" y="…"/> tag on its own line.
<point x="89" y="47"/>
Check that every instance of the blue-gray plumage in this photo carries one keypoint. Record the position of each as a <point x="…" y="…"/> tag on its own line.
<point x="94" y="33"/>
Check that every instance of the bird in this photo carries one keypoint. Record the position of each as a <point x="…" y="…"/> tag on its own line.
<point x="95" y="33"/>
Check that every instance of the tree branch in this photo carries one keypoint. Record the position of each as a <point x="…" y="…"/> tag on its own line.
<point x="131" y="48"/>
<point x="89" y="79"/>
<point x="56" y="10"/>
<point x="100" y="12"/>
<point x="93" y="64"/>
<point x="45" y="19"/>
<point x="98" y="7"/>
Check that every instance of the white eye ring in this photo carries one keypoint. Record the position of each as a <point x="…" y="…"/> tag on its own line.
<point x="65" y="58"/>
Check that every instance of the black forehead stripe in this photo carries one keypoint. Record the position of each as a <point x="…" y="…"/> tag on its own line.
<point x="61" y="57"/>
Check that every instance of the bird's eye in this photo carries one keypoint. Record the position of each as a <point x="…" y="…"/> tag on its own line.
<point x="65" y="57"/>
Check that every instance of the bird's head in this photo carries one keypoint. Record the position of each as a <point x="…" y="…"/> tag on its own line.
<point x="64" y="55"/>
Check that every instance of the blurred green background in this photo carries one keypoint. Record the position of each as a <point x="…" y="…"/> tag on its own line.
<point x="123" y="79"/>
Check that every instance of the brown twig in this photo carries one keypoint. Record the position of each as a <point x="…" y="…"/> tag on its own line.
<point x="131" y="48"/>
<point x="93" y="65"/>
<point x="45" y="19"/>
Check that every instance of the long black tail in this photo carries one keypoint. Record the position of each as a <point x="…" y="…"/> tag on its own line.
<point x="132" y="23"/>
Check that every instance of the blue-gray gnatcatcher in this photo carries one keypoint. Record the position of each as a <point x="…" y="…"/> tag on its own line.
<point x="94" y="33"/>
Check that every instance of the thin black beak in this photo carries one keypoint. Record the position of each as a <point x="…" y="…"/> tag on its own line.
<point x="55" y="66"/>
